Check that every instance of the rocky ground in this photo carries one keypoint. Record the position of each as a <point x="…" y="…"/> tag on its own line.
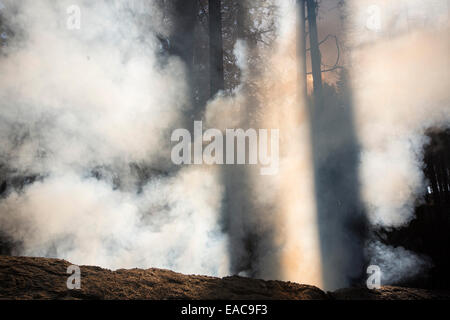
<point x="41" y="278"/>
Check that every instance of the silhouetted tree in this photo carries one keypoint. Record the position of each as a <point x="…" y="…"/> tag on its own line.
<point x="215" y="47"/>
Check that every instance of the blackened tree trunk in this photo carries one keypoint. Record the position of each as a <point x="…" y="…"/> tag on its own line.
<point x="314" y="49"/>
<point x="215" y="47"/>
<point x="240" y="20"/>
<point x="182" y="39"/>
<point x="302" y="44"/>
<point x="185" y="44"/>
<point x="340" y="211"/>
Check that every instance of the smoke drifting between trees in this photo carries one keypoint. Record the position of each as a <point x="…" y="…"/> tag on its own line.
<point x="86" y="121"/>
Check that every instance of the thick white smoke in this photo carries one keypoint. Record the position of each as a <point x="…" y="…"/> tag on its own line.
<point x="171" y="224"/>
<point x="99" y="99"/>
<point x="96" y="91"/>
<point x="397" y="263"/>
<point x="81" y="108"/>
<point x="280" y="209"/>
<point x="400" y="74"/>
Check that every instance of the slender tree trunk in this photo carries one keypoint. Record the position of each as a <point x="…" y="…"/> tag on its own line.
<point x="240" y="20"/>
<point x="183" y="43"/>
<point x="215" y="47"/>
<point x="302" y="45"/>
<point x="182" y="39"/>
<point x="433" y="179"/>
<point x="314" y="49"/>
<point x="443" y="177"/>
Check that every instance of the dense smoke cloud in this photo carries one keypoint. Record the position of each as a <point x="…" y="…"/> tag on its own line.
<point x="400" y="74"/>
<point x="87" y="222"/>
<point x="85" y="123"/>
<point x="396" y="263"/>
<point x="89" y="112"/>
<point x="95" y="89"/>
<point x="277" y="213"/>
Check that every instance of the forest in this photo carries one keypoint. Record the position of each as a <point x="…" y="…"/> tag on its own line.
<point x="361" y="102"/>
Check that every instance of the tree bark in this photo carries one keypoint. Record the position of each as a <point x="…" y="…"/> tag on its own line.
<point x="302" y="45"/>
<point x="215" y="47"/>
<point x="314" y="49"/>
<point x="182" y="39"/>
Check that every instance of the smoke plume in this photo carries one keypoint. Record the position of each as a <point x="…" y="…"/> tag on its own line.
<point x="87" y="116"/>
<point x="277" y="212"/>
<point x="88" y="113"/>
<point x="400" y="74"/>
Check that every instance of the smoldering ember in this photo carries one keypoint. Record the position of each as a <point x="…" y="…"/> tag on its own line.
<point x="224" y="149"/>
<point x="214" y="152"/>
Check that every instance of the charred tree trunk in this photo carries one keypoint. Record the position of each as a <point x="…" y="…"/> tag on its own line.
<point x="215" y="47"/>
<point x="243" y="239"/>
<point x="183" y="43"/>
<point x="340" y="212"/>
<point x="182" y="39"/>
<point x="314" y="49"/>
<point x="240" y="20"/>
<point x="302" y="44"/>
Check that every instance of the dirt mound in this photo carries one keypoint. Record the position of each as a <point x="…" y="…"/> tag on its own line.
<point x="42" y="278"/>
